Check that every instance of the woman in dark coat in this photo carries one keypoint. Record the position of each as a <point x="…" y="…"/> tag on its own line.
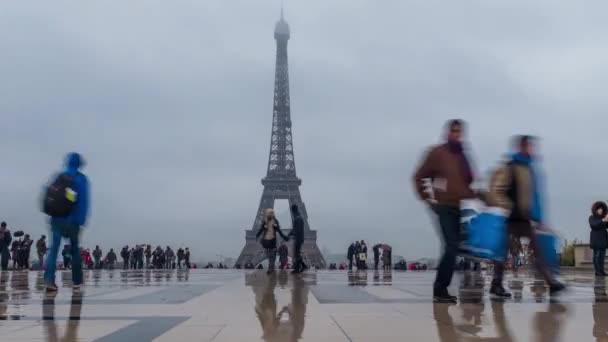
<point x="598" y="238"/>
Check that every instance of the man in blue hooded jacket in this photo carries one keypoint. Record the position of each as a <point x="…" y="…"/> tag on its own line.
<point x="69" y="226"/>
<point x="517" y="187"/>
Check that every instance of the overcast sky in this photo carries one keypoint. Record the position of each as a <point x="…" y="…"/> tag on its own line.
<point x="170" y="102"/>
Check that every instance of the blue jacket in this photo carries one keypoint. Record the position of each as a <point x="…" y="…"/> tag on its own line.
<point x="80" y="210"/>
<point x="536" y="211"/>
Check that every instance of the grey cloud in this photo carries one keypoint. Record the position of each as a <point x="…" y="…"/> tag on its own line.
<point x="171" y="104"/>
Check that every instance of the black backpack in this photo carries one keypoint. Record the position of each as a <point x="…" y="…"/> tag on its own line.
<point x="59" y="198"/>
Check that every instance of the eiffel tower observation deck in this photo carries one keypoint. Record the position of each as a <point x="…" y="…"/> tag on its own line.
<point x="281" y="181"/>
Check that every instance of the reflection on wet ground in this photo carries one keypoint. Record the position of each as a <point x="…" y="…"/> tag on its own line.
<point x="226" y="305"/>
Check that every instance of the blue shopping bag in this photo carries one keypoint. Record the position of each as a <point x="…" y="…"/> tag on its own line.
<point x="547" y="243"/>
<point x="486" y="235"/>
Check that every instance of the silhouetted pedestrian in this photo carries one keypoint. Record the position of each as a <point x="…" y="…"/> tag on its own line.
<point x="298" y="238"/>
<point x="5" y="243"/>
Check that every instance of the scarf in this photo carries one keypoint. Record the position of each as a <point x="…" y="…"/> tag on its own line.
<point x="456" y="148"/>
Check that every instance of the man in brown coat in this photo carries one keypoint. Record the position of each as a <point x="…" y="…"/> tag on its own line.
<point x="450" y="175"/>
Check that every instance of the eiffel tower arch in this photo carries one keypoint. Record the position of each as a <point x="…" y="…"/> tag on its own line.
<point x="281" y="181"/>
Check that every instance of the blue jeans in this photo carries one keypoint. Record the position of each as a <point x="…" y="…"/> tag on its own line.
<point x="70" y="232"/>
<point x="449" y="227"/>
<point x="599" y="255"/>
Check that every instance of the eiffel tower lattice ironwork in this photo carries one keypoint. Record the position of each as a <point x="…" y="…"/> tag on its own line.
<point x="281" y="181"/>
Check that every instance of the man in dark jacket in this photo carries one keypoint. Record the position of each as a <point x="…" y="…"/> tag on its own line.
<point x="298" y="237"/>
<point x="598" y="237"/>
<point x="350" y="255"/>
<point x="5" y="242"/>
<point x="97" y="253"/>
<point x="180" y="257"/>
<point x="187" y="257"/>
<point x="69" y="226"/>
<point x="25" y="252"/>
<point x="111" y="258"/>
<point x="148" y="254"/>
<point x="376" y="250"/>
<point x="447" y="169"/>
<point x="124" y="254"/>
<point x="41" y="250"/>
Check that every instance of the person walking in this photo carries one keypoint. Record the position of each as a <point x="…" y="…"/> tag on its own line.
<point x="447" y="168"/>
<point x="350" y="254"/>
<point x="598" y="237"/>
<point x="25" y="252"/>
<point x="376" y="250"/>
<point x="168" y="257"/>
<point x="517" y="187"/>
<point x="41" y="250"/>
<point x="65" y="254"/>
<point x="187" y="257"/>
<point x="111" y="258"/>
<point x="148" y="254"/>
<point x="268" y="230"/>
<point x="5" y="243"/>
<point x="363" y="255"/>
<point x="180" y="257"/>
<point x="15" y="247"/>
<point x="97" y="253"/>
<point x="124" y="254"/>
<point x="298" y="237"/>
<point x="69" y="225"/>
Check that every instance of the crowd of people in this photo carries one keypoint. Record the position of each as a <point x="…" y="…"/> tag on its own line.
<point x="17" y="248"/>
<point x="357" y="255"/>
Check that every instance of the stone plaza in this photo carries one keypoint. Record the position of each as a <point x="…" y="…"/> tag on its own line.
<point x="232" y="305"/>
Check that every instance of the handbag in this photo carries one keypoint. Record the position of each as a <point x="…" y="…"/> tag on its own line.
<point x="547" y="244"/>
<point x="484" y="231"/>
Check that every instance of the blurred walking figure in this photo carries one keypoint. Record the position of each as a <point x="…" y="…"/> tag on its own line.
<point x="124" y="254"/>
<point x="387" y="257"/>
<point x="41" y="250"/>
<point x="598" y="237"/>
<point x="298" y="237"/>
<point x="25" y="252"/>
<point x="350" y="255"/>
<point x="447" y="168"/>
<point x="5" y="242"/>
<point x="376" y="250"/>
<point x="180" y="257"/>
<point x="73" y="186"/>
<point x="269" y="230"/>
<point x="517" y="186"/>
<point x="111" y="259"/>
<point x="187" y="257"/>
<point x="65" y="254"/>
<point x="148" y="254"/>
<point x="362" y="256"/>
<point x="97" y="253"/>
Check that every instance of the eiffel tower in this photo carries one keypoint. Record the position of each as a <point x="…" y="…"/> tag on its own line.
<point x="281" y="181"/>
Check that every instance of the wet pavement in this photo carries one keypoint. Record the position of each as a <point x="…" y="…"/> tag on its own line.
<point x="230" y="305"/>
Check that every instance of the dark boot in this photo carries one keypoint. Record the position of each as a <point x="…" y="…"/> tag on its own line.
<point x="499" y="291"/>
<point x="442" y="296"/>
<point x="556" y="288"/>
